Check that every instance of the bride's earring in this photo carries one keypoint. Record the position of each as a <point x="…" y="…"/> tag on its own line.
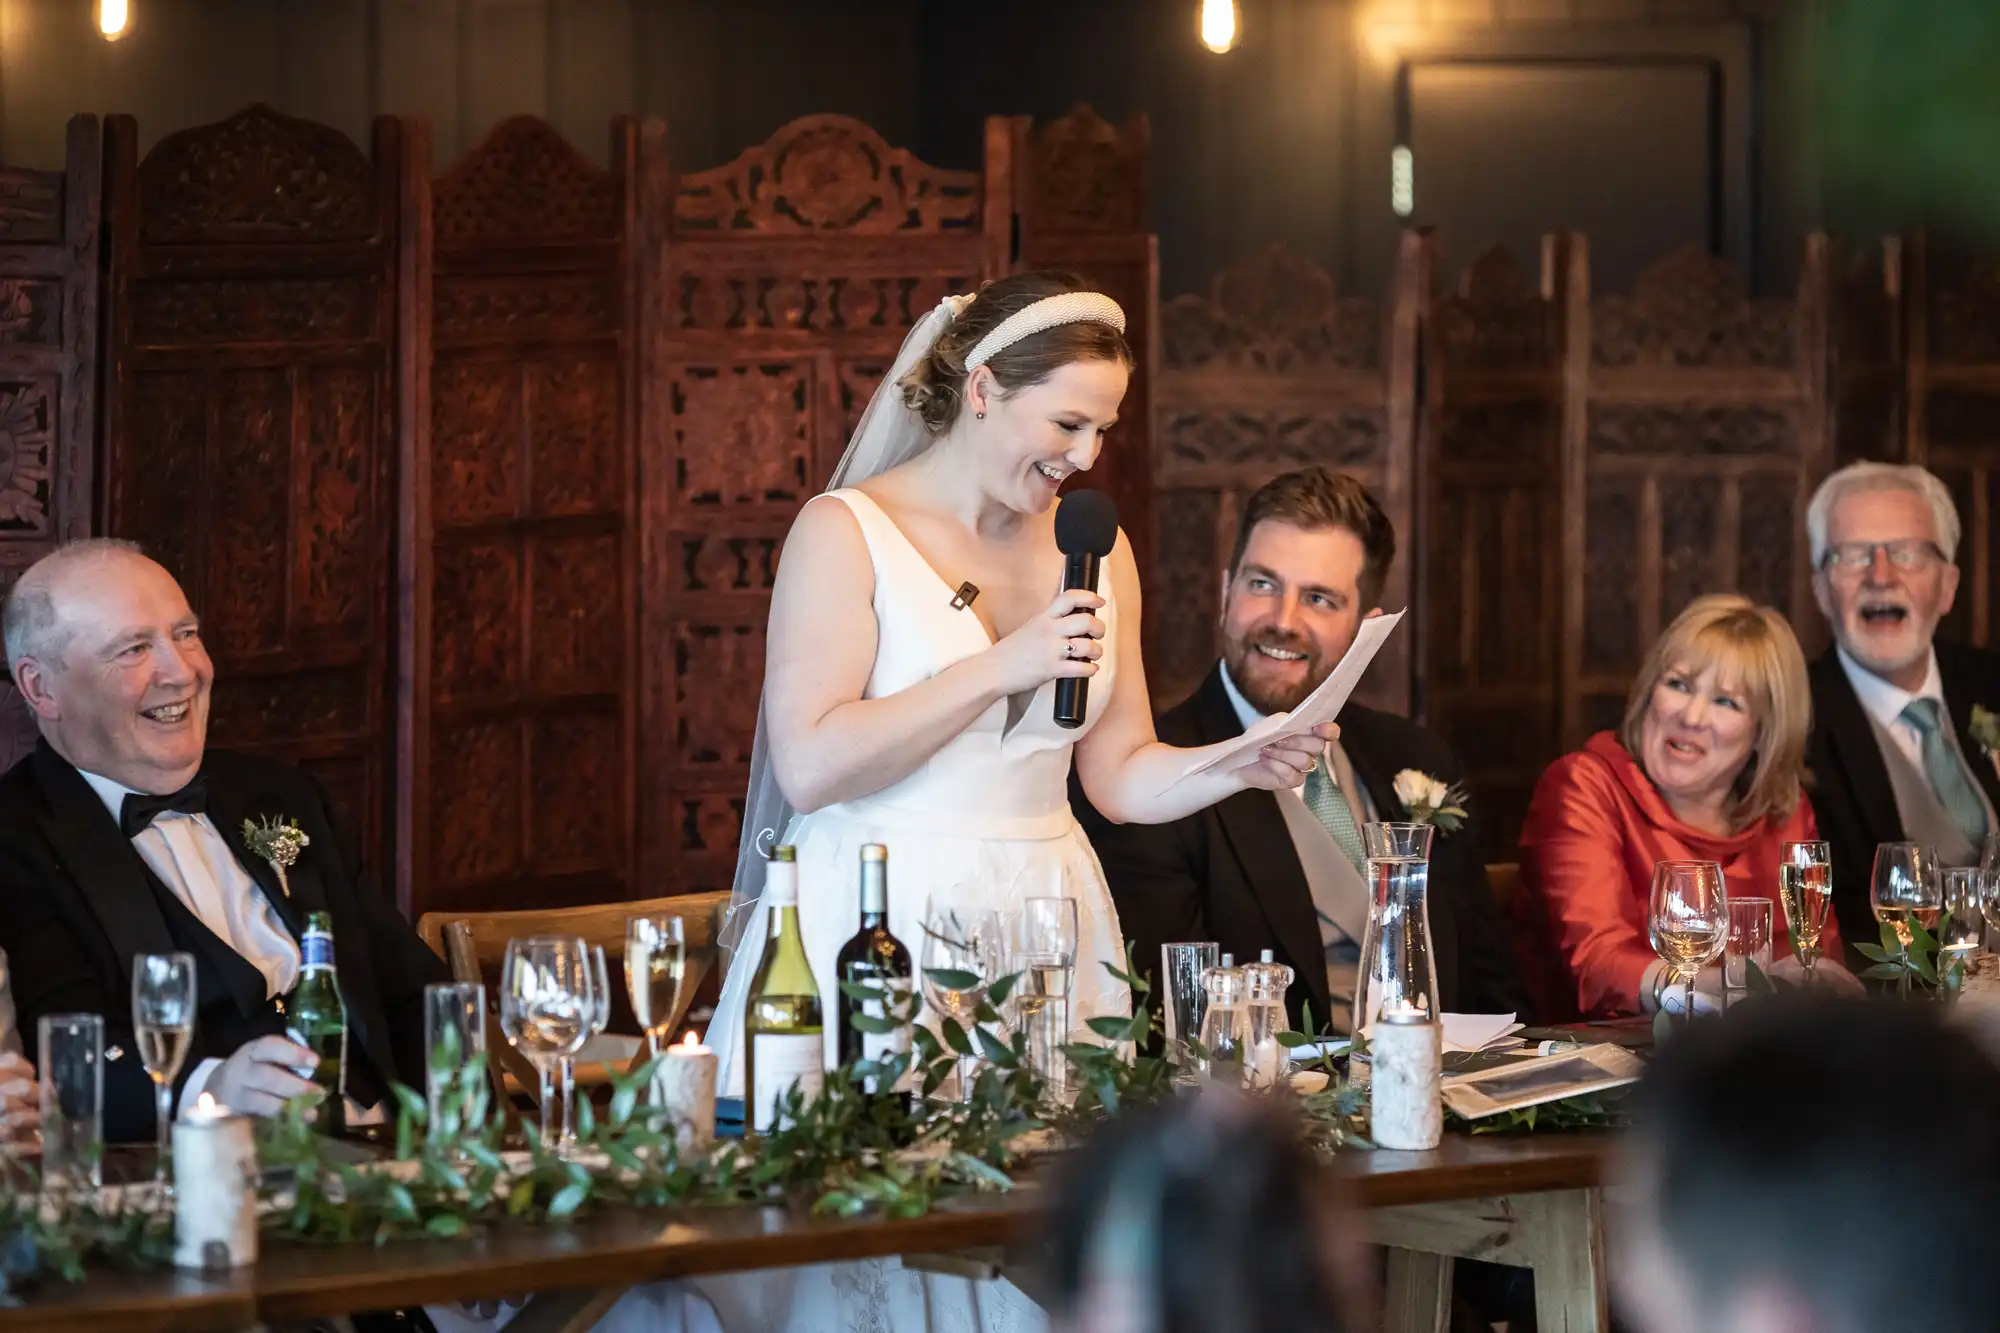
<point x="979" y="416"/>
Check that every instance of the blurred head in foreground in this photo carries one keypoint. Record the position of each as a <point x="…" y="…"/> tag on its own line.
<point x="1205" y="1215"/>
<point x="1824" y="1166"/>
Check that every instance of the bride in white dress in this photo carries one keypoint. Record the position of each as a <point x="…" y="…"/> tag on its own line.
<point x="894" y="712"/>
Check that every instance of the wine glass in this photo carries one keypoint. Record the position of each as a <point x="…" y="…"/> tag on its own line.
<point x="959" y="959"/>
<point x="1989" y="856"/>
<point x="1045" y="955"/>
<point x="1689" y="918"/>
<point x="1805" y="886"/>
<point x="1962" y="918"/>
<point x="163" y="1003"/>
<point x="655" y="963"/>
<point x="1904" y="887"/>
<point x="546" y="1006"/>
<point x="599" y="1019"/>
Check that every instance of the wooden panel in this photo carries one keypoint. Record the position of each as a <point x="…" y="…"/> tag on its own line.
<point x="1275" y="370"/>
<point x="1697" y="420"/>
<point x="1081" y="186"/>
<point x="1491" y="534"/>
<point x="521" y="685"/>
<point x="48" y="370"/>
<point x="248" y="430"/>
<point x="776" y="290"/>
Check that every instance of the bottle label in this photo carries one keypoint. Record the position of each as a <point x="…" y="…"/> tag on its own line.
<point x="316" y="950"/>
<point x="886" y="1045"/>
<point x="783" y="1060"/>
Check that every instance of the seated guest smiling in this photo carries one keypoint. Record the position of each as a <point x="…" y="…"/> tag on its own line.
<point x="120" y="835"/>
<point x="1707" y="768"/>
<point x="1282" y="870"/>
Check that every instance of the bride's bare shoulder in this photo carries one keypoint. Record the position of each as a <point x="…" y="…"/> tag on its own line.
<point x="826" y="531"/>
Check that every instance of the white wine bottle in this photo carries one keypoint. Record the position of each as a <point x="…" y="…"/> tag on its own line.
<point x="784" y="1038"/>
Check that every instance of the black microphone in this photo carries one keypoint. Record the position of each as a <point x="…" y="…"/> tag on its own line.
<point x="1086" y="530"/>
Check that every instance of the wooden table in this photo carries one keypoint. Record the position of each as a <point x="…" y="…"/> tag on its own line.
<point x="1530" y="1201"/>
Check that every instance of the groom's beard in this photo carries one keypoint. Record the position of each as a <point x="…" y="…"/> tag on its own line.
<point x="1266" y="683"/>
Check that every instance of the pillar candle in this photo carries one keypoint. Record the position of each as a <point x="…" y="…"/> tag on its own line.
<point x="686" y="1086"/>
<point x="215" y="1202"/>
<point x="1406" y="1100"/>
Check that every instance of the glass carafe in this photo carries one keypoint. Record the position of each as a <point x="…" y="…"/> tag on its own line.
<point x="1264" y="985"/>
<point x="1223" y="1022"/>
<point x="1397" y="971"/>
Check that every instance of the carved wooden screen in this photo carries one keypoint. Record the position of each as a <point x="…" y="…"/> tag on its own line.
<point x="788" y="280"/>
<point x="1275" y="370"/>
<point x="1696" y="423"/>
<point x="48" y="369"/>
<point x="1492" y="534"/>
<point x="1952" y="391"/>
<point x="1080" y="187"/>
<point x="522" y="680"/>
<point x="249" y="423"/>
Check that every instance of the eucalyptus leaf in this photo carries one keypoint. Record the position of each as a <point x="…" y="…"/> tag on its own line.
<point x="568" y="1200"/>
<point x="952" y="979"/>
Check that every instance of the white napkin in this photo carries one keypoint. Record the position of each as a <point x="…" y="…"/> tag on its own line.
<point x="1321" y="706"/>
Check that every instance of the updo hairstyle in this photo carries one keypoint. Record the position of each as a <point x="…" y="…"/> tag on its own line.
<point x="935" y="388"/>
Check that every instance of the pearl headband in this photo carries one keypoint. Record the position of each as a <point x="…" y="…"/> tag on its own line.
<point x="1047" y="313"/>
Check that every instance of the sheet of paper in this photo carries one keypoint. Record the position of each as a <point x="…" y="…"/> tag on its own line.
<point x="1323" y="705"/>
<point x="1472" y="1032"/>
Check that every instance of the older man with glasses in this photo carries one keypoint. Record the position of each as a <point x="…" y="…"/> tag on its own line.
<point x="1894" y="754"/>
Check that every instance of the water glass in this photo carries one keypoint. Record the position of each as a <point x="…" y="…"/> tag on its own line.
<point x="454" y="1035"/>
<point x="1962" y="919"/>
<point x="1181" y="969"/>
<point x="545" y="1007"/>
<point x="1749" y="942"/>
<point x="1688" y="919"/>
<point x="1045" y="955"/>
<point x="1904" y="887"/>
<point x="72" y="1051"/>
<point x="163" y="1006"/>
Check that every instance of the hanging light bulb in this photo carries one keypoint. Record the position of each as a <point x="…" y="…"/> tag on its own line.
<point x="1218" y="24"/>
<point x="112" y="16"/>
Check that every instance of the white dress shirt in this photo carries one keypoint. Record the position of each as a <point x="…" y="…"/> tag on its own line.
<point x="193" y="860"/>
<point x="1885" y="703"/>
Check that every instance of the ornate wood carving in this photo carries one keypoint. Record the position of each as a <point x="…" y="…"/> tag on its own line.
<point x="773" y="292"/>
<point x="1274" y="370"/>
<point x="1490" y="534"/>
<point x="518" y="486"/>
<point x="1081" y="186"/>
<point x="248" y="433"/>
<point x="1697" y="420"/>
<point x="49" y="348"/>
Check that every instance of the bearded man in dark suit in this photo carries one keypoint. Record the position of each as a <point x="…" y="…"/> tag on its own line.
<point x="1283" y="871"/>
<point x="121" y="834"/>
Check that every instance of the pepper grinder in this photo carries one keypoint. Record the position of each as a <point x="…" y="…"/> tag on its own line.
<point x="1265" y="983"/>
<point x="1222" y="1024"/>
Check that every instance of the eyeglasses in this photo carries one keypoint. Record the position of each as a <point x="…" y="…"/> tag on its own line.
<point x="1853" y="557"/>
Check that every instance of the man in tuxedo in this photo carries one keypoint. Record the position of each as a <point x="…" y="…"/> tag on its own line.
<point x="1892" y="756"/>
<point x="121" y="834"/>
<point x="1283" y="870"/>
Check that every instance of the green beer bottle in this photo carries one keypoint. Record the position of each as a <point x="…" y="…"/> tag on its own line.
<point x="318" y="1020"/>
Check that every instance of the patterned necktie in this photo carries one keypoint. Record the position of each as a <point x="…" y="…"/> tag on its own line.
<point x="1949" y="779"/>
<point x="1324" y="798"/>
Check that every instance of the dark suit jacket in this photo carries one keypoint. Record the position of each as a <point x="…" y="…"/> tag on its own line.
<point x="77" y="904"/>
<point x="1230" y="874"/>
<point x="1849" y="783"/>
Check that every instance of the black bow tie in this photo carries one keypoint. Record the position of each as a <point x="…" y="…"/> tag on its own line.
<point x="140" y="810"/>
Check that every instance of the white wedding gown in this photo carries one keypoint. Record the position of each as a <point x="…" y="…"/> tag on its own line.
<point x="982" y="824"/>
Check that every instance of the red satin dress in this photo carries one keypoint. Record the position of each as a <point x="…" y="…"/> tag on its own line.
<point x="1593" y="833"/>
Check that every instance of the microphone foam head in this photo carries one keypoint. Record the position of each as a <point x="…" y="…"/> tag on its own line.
<point x="1086" y="524"/>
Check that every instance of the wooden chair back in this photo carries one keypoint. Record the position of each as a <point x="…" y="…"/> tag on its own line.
<point x="474" y="944"/>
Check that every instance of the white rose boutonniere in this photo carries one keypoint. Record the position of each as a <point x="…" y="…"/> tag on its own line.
<point x="1431" y="801"/>
<point x="278" y="841"/>
<point x="1986" y="730"/>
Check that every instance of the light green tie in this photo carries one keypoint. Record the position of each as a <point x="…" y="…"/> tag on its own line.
<point x="1942" y="766"/>
<point x="1323" y="797"/>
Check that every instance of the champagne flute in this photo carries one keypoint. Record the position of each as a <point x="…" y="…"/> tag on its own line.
<point x="1045" y="955"/>
<point x="655" y="964"/>
<point x="1688" y="918"/>
<point x="599" y="1019"/>
<point x="1989" y="857"/>
<point x="1904" y="888"/>
<point x="957" y="964"/>
<point x="163" y="1004"/>
<point x="546" y="1006"/>
<point x="1805" y="886"/>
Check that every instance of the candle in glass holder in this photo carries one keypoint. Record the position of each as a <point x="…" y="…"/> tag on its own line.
<point x="685" y="1082"/>
<point x="215" y="1204"/>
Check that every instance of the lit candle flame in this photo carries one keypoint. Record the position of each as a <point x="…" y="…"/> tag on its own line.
<point x="691" y="1041"/>
<point x="1218" y="24"/>
<point x="112" y="16"/>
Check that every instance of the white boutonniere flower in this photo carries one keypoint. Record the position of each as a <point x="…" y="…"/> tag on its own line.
<point x="1430" y="800"/>
<point x="279" y="841"/>
<point x="1986" y="730"/>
